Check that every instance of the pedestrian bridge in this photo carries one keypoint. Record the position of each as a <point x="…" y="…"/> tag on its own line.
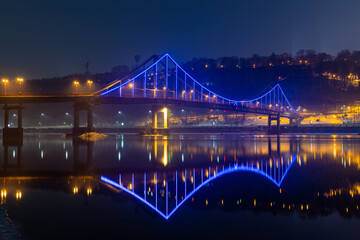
<point x="160" y="82"/>
<point x="165" y="82"/>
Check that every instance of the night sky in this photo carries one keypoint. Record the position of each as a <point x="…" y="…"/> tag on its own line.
<point x="54" y="38"/>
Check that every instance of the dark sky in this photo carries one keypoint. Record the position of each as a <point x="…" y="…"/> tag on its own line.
<point x="55" y="37"/>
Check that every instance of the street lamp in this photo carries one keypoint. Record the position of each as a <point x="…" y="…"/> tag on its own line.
<point x="76" y="83"/>
<point x="5" y="82"/>
<point x="89" y="82"/>
<point x="20" y="81"/>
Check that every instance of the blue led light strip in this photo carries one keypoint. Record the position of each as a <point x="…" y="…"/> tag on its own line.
<point x="131" y="79"/>
<point x="235" y="102"/>
<point x="156" y="79"/>
<point x="145" y="78"/>
<point x="114" y="184"/>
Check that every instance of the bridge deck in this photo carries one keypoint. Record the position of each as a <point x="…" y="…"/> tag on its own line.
<point x="31" y="99"/>
<point x="195" y="104"/>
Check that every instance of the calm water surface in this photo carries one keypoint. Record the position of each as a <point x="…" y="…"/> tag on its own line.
<point x="181" y="187"/>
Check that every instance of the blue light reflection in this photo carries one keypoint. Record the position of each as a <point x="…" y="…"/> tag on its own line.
<point x="268" y="173"/>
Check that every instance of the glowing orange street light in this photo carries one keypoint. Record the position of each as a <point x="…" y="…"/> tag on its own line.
<point x="20" y="81"/>
<point x="164" y="92"/>
<point x="89" y="82"/>
<point x="5" y="82"/>
<point x="131" y="85"/>
<point x="76" y="83"/>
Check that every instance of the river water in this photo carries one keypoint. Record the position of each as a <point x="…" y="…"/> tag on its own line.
<point x="181" y="187"/>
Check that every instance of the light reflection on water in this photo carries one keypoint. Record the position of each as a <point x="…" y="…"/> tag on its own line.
<point x="307" y="175"/>
<point x="174" y="188"/>
<point x="51" y="152"/>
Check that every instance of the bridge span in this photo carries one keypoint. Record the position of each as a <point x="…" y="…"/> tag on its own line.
<point x="162" y="83"/>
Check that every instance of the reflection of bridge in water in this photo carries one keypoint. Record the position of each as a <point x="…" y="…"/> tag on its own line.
<point x="13" y="162"/>
<point x="166" y="192"/>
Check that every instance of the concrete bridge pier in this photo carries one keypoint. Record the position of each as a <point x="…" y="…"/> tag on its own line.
<point x="155" y="124"/>
<point x="13" y="132"/>
<point x="274" y="118"/>
<point x="89" y="108"/>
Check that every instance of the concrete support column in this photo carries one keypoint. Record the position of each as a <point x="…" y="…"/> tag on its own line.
<point x="154" y="118"/>
<point x="165" y="112"/>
